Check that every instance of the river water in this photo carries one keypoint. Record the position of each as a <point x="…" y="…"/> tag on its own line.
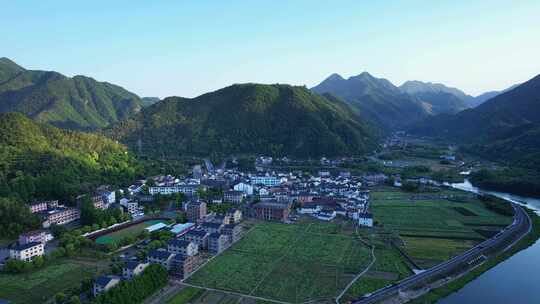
<point x="514" y="281"/>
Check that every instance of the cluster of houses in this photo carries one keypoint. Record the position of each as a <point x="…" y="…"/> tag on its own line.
<point x="208" y="233"/>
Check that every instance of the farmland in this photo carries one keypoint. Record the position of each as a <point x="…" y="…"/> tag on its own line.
<point x="293" y="263"/>
<point x="42" y="284"/>
<point x="131" y="231"/>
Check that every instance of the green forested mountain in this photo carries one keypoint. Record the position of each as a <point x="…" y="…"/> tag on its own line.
<point x="148" y="101"/>
<point x="247" y="118"/>
<point x="377" y="99"/>
<point x="505" y="127"/>
<point x="441" y="98"/>
<point x="41" y="161"/>
<point x="74" y="103"/>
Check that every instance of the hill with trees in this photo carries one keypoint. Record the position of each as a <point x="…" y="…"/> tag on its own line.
<point x="376" y="99"/>
<point x="39" y="161"/>
<point x="74" y="103"/>
<point x="506" y="127"/>
<point x="248" y="118"/>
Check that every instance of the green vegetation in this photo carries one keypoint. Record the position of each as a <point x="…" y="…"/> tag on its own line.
<point x="81" y="161"/>
<point x="136" y="290"/>
<point x="378" y="100"/>
<point x="364" y="286"/>
<point x="129" y="232"/>
<point x="15" y="218"/>
<point x="247" y="118"/>
<point x="439" y="293"/>
<point x="433" y="217"/>
<point x="40" y="285"/>
<point x="75" y="103"/>
<point x="515" y="180"/>
<point x="186" y="295"/>
<point x="506" y="128"/>
<point x="287" y="262"/>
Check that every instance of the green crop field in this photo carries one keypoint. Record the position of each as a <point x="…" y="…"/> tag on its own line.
<point x="41" y="285"/>
<point x="428" y="252"/>
<point x="293" y="263"/>
<point x="364" y="286"/>
<point x="186" y="295"/>
<point x="132" y="231"/>
<point x="435" y="217"/>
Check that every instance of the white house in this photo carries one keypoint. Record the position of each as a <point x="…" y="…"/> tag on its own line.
<point x="27" y="251"/>
<point x="309" y="209"/>
<point x="246" y="188"/>
<point x="104" y="283"/>
<point x="365" y="219"/>
<point x="132" y="269"/>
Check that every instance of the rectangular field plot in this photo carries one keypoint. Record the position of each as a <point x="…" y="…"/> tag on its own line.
<point x="287" y="263"/>
<point x="436" y="218"/>
<point x="428" y="252"/>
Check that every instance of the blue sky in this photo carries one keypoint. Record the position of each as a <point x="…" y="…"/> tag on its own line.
<point x="186" y="48"/>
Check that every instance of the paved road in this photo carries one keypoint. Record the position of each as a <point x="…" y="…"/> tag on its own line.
<point x="521" y="222"/>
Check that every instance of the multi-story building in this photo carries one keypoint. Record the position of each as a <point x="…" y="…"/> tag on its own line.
<point x="247" y="189"/>
<point x="235" y="215"/>
<point x="36" y="207"/>
<point x="27" y="251"/>
<point x="182" y="265"/>
<point x="39" y="236"/>
<point x="272" y="211"/>
<point x="234" y="231"/>
<point x="218" y="242"/>
<point x="104" y="283"/>
<point x="161" y="257"/>
<point x="195" y="211"/>
<point x="183" y="247"/>
<point x="266" y="180"/>
<point x="132" y="207"/>
<point x="133" y="268"/>
<point x="233" y="196"/>
<point x="211" y="227"/>
<point x="199" y="237"/>
<point x="365" y="219"/>
<point x="172" y="189"/>
<point x="60" y="216"/>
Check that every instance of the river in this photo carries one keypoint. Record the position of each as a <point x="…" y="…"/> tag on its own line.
<point x="512" y="281"/>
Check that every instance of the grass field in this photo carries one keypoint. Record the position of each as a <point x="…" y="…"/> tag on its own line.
<point x="186" y="295"/>
<point x="41" y="285"/>
<point x="132" y="231"/>
<point x="436" y="218"/>
<point x="293" y="263"/>
<point x="428" y="252"/>
<point x="364" y="286"/>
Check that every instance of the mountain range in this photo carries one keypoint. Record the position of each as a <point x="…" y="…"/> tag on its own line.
<point x="376" y="99"/>
<point x="505" y="127"/>
<point x="248" y="118"/>
<point x="69" y="102"/>
<point x="390" y="107"/>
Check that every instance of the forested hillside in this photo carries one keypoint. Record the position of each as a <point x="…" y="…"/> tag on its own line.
<point x="248" y="118"/>
<point x="73" y="103"/>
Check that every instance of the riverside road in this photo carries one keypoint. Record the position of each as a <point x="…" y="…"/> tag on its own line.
<point x="520" y="226"/>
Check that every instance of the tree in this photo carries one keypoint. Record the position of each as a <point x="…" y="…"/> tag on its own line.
<point x="59" y="298"/>
<point x="74" y="300"/>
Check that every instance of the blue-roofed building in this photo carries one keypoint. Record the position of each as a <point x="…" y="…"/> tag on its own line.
<point x="155" y="227"/>
<point x="104" y="283"/>
<point x="133" y="268"/>
<point x="199" y="237"/>
<point x="180" y="229"/>
<point x="161" y="257"/>
<point x="178" y="246"/>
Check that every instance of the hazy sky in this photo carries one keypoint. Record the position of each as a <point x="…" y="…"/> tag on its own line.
<point x="185" y="48"/>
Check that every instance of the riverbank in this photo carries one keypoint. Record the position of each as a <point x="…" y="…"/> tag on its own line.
<point x="442" y="292"/>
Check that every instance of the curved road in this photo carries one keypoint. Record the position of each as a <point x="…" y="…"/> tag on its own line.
<point x="521" y="221"/>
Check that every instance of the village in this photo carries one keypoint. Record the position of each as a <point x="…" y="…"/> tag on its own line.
<point x="202" y="232"/>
